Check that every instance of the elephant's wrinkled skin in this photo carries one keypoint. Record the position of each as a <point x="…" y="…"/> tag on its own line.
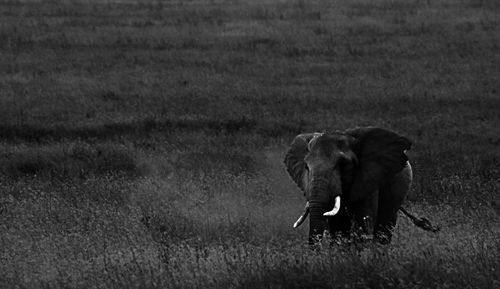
<point x="354" y="180"/>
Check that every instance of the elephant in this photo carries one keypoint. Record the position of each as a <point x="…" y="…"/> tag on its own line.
<point x="354" y="181"/>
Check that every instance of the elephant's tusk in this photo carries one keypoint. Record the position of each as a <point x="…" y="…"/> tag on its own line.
<point x="302" y="217"/>
<point x="335" y="209"/>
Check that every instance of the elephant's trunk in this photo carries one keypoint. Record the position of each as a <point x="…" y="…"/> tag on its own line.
<point x="317" y="224"/>
<point x="324" y="189"/>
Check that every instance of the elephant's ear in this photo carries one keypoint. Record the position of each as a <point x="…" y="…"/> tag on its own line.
<point x="381" y="154"/>
<point x="294" y="158"/>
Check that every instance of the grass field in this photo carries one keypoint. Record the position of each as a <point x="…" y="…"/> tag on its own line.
<point x="141" y="142"/>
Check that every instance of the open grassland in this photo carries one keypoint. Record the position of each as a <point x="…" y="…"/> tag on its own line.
<point x="141" y="141"/>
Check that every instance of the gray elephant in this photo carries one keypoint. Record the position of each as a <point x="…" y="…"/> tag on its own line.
<point x="355" y="181"/>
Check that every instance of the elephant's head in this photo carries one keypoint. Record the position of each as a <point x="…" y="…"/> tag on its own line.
<point x="331" y="168"/>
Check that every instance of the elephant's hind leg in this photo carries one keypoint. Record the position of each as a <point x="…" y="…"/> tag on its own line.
<point x="391" y="197"/>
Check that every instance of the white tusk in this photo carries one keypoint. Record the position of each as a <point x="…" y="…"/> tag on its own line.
<point x="302" y="217"/>
<point x="335" y="209"/>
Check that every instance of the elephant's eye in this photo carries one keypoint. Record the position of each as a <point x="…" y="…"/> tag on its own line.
<point x="342" y="144"/>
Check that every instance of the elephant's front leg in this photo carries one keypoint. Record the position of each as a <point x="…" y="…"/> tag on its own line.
<point x="339" y="225"/>
<point x="365" y="215"/>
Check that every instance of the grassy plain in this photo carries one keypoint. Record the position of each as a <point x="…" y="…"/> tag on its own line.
<point x="141" y="142"/>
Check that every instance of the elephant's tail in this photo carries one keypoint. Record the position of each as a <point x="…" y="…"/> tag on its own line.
<point x="420" y="222"/>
